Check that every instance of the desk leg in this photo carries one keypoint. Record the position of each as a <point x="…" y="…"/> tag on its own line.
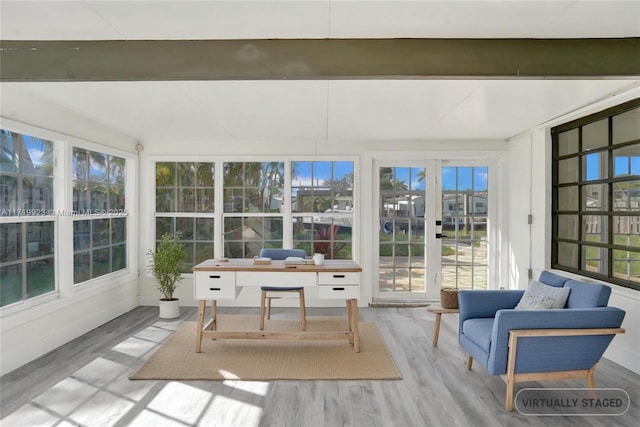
<point x="202" y="306"/>
<point x="354" y="324"/>
<point x="214" y="314"/>
<point x="436" y="330"/>
<point x="349" y="315"/>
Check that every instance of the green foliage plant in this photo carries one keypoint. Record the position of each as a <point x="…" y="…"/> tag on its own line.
<point x="165" y="265"/>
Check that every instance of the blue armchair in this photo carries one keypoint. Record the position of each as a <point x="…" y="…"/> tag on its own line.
<point x="537" y="344"/>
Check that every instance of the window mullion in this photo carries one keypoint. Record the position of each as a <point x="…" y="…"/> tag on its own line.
<point x="287" y="218"/>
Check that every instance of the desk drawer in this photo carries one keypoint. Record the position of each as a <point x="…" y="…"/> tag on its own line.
<point x="284" y="279"/>
<point x="211" y="285"/>
<point x="338" y="292"/>
<point x="338" y="278"/>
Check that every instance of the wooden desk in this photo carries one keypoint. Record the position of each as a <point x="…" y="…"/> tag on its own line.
<point x="439" y="311"/>
<point x="335" y="279"/>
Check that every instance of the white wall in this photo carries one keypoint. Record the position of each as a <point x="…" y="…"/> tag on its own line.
<point x="31" y="328"/>
<point x="519" y="188"/>
<point x="530" y="185"/>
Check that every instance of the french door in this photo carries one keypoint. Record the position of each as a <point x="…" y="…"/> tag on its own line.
<point x="433" y="218"/>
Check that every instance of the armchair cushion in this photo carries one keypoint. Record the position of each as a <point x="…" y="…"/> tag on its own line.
<point x="552" y="279"/>
<point x="541" y="296"/>
<point x="479" y="332"/>
<point x="587" y="295"/>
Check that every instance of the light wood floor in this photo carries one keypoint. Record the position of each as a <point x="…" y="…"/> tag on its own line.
<point x="85" y="383"/>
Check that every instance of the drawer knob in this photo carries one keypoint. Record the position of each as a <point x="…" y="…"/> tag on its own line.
<point x="214" y="276"/>
<point x="215" y="289"/>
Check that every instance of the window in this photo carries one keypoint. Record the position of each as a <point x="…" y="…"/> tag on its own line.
<point x="253" y="217"/>
<point x="99" y="211"/>
<point x="246" y="208"/>
<point x="322" y="207"/>
<point x="185" y="205"/>
<point x="27" y="267"/>
<point x="596" y="195"/>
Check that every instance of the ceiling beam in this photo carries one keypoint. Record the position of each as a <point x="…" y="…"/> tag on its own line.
<point x="317" y="59"/>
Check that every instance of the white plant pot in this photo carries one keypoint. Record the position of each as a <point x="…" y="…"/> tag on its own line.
<point x="169" y="309"/>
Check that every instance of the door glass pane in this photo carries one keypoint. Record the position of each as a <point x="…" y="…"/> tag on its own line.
<point x="402" y="254"/>
<point x="465" y="211"/>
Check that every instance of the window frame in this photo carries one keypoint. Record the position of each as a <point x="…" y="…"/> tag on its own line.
<point x="176" y="215"/>
<point x="94" y="215"/>
<point x="323" y="240"/>
<point x="263" y="215"/>
<point x="606" y="177"/>
<point x="24" y="217"/>
<point x="61" y="215"/>
<point x="218" y="213"/>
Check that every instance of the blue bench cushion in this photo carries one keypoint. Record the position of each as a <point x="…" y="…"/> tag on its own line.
<point x="478" y="331"/>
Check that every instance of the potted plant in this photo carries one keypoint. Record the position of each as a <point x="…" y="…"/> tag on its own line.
<point x="165" y="265"/>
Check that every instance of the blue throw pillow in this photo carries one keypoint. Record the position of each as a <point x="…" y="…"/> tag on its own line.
<point x="540" y="296"/>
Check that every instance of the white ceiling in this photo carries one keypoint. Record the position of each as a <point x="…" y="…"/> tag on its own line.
<point x="362" y="110"/>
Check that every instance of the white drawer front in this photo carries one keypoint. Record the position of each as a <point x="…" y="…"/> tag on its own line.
<point x="338" y="292"/>
<point x="215" y="285"/>
<point x="338" y="278"/>
<point x="257" y="278"/>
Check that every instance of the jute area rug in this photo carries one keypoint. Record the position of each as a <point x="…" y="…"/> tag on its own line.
<point x="241" y="359"/>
